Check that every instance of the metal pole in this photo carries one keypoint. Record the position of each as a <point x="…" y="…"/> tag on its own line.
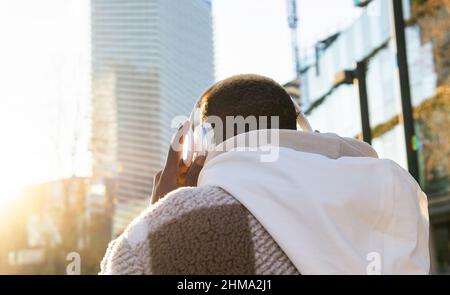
<point x="293" y="23"/>
<point x="364" y="106"/>
<point x="405" y="92"/>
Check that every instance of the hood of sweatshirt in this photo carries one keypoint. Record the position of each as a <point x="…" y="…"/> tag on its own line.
<point x="331" y="205"/>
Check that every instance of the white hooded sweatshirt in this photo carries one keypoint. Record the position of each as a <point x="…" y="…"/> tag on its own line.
<point x="331" y="205"/>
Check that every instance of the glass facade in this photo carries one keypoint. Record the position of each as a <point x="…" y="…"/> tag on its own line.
<point x="339" y="113"/>
<point x="391" y="145"/>
<point x="383" y="97"/>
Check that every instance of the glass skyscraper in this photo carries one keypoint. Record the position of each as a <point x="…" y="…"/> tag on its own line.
<point x="151" y="59"/>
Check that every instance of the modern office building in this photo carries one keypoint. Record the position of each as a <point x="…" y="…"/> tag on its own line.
<point x="366" y="51"/>
<point x="151" y="59"/>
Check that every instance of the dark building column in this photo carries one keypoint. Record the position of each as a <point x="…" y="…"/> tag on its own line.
<point x="361" y="69"/>
<point x="405" y="90"/>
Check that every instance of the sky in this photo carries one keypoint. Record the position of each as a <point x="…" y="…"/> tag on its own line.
<point x="253" y="35"/>
<point x="45" y="79"/>
<point x="44" y="74"/>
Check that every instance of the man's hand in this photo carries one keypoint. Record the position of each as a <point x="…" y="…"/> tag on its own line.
<point x="175" y="173"/>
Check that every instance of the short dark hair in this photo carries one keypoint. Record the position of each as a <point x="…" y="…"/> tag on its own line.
<point x="249" y="95"/>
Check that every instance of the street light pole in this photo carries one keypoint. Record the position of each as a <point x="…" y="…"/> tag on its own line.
<point x="361" y="68"/>
<point x="405" y="90"/>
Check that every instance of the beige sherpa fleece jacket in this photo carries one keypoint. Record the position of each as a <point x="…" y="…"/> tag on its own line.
<point x="196" y="230"/>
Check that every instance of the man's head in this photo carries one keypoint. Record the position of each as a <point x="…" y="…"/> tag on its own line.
<point x="249" y="96"/>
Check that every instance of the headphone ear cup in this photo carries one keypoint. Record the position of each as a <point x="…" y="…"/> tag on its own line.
<point x="208" y="142"/>
<point x="188" y="148"/>
<point x="203" y="139"/>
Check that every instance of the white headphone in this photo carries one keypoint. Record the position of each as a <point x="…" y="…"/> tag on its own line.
<point x="200" y="135"/>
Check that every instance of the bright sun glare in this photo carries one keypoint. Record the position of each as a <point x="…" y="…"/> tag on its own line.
<point x="45" y="61"/>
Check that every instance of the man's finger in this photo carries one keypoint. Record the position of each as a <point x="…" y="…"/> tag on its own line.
<point x="194" y="171"/>
<point x="176" y="145"/>
<point x="156" y="179"/>
<point x="181" y="132"/>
